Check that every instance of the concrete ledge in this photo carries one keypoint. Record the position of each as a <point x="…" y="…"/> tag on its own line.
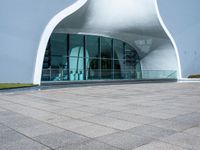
<point x="68" y="84"/>
<point x="189" y="80"/>
<point x="105" y="82"/>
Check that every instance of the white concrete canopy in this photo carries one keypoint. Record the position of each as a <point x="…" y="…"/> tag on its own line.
<point x="129" y="21"/>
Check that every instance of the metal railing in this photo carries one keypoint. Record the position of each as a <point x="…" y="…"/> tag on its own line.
<point x="103" y="74"/>
<point x="159" y="74"/>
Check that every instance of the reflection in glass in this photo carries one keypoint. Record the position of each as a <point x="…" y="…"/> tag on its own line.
<point x="118" y="69"/>
<point x="106" y="68"/>
<point x="82" y="57"/>
<point x="76" y="59"/>
<point x="92" y="46"/>
<point x="55" y="58"/>
<point x="93" y="69"/>
<point x="118" y="49"/>
<point x="106" y="48"/>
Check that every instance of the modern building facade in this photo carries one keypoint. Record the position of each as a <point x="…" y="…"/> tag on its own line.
<point x="72" y="57"/>
<point x="98" y="40"/>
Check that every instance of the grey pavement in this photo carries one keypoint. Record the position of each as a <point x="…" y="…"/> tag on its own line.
<point x="159" y="116"/>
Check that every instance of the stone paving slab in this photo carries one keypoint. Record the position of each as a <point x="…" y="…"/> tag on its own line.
<point x="93" y="131"/>
<point x="160" y="116"/>
<point x="25" y="144"/>
<point x="56" y="140"/>
<point x="151" y="131"/>
<point x="89" y="145"/>
<point x="111" y="122"/>
<point x="125" y="141"/>
<point x="184" y="140"/>
<point x="193" y="131"/>
<point x="159" y="146"/>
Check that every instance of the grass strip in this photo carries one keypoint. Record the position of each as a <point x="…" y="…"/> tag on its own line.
<point x="13" y="85"/>
<point x="194" y="76"/>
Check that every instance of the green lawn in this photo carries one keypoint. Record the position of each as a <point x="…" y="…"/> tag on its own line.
<point x="11" y="85"/>
<point x="194" y="76"/>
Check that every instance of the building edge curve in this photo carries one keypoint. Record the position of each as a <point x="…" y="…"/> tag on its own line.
<point x="179" y="75"/>
<point x="46" y="35"/>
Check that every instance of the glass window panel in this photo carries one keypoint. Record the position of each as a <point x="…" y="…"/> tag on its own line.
<point x="118" y="69"/>
<point x="93" y="69"/>
<point x="130" y="53"/>
<point x="58" y="44"/>
<point x="118" y="49"/>
<point x="47" y="57"/>
<point x="58" y="61"/>
<point x="92" y="46"/>
<point x="106" y="48"/>
<point x="76" y="44"/>
<point x="58" y="50"/>
<point x="106" y="69"/>
<point x="55" y="57"/>
<point x="76" y="68"/>
<point x="124" y="65"/>
<point x="131" y="62"/>
<point x="138" y="70"/>
<point x="76" y="60"/>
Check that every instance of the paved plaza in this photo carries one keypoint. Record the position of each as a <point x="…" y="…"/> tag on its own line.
<point x="160" y="116"/>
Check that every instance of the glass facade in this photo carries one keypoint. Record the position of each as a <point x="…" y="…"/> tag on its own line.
<point x="71" y="57"/>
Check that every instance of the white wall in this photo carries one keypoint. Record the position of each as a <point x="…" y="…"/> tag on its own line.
<point x="182" y="18"/>
<point x="156" y="60"/>
<point x="22" y="23"/>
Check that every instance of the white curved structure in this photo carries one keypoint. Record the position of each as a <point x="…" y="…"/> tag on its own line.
<point x="47" y="33"/>
<point x="25" y="31"/>
<point x="182" y="18"/>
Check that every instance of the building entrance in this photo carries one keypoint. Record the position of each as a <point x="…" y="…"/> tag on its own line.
<point x="72" y="57"/>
